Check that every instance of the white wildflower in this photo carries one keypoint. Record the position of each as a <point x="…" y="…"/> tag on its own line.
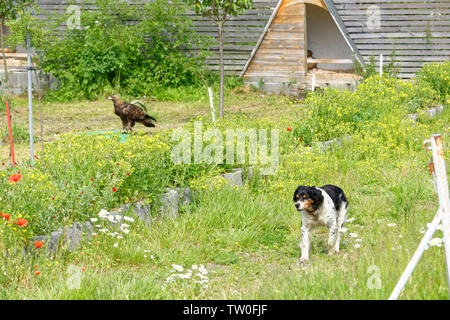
<point x="103" y="213"/>
<point x="126" y="231"/>
<point x="391" y="225"/>
<point x="94" y="220"/>
<point x="128" y="219"/>
<point x="344" y="230"/>
<point x="350" y="220"/>
<point x="357" y="245"/>
<point x="436" y="242"/>
<point x="353" y="235"/>
<point x="177" y="267"/>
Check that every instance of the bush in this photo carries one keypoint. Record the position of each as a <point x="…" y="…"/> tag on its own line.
<point x="114" y="53"/>
<point x="436" y="75"/>
<point x="335" y="113"/>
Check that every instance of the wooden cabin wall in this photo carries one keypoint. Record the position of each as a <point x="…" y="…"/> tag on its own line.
<point x="281" y="56"/>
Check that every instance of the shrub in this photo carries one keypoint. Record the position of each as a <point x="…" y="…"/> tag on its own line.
<point x="335" y="113"/>
<point x="436" y="75"/>
<point x="114" y="53"/>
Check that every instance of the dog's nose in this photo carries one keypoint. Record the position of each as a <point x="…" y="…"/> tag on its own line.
<point x="297" y="205"/>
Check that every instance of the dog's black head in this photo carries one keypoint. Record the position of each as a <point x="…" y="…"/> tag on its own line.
<point x="307" y="198"/>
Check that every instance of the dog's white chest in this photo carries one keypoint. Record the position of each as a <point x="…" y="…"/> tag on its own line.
<point x="324" y="215"/>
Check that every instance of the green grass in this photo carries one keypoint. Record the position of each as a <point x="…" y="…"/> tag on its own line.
<point x="248" y="238"/>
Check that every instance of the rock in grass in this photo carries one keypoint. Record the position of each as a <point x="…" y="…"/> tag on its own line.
<point x="432" y="112"/>
<point x="31" y="249"/>
<point x="53" y="242"/>
<point x="74" y="236"/>
<point x="143" y="211"/>
<point x="185" y="196"/>
<point x="235" y="178"/>
<point x="169" y="203"/>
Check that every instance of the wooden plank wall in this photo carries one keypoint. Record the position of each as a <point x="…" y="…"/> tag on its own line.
<point x="240" y="33"/>
<point x="416" y="32"/>
<point x="281" y="56"/>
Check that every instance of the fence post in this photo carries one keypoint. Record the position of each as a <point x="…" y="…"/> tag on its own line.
<point x="441" y="187"/>
<point x="442" y="191"/>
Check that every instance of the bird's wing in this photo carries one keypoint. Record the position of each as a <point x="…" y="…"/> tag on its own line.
<point x="134" y="112"/>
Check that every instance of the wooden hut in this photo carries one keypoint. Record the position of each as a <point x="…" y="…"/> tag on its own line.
<point x="338" y="33"/>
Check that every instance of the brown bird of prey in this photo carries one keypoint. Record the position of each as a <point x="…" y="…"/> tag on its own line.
<point x="131" y="113"/>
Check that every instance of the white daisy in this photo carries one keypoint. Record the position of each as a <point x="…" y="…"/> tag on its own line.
<point x="94" y="220"/>
<point x="391" y="225"/>
<point x="177" y="267"/>
<point x="128" y="219"/>
<point x="103" y="213"/>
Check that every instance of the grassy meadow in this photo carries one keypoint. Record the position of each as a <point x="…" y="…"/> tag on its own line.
<point x="229" y="243"/>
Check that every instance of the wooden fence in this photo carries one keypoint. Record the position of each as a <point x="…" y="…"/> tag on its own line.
<point x="240" y="33"/>
<point x="410" y="32"/>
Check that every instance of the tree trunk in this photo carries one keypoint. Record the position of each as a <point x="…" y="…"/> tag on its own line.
<point x="221" y="69"/>
<point x="3" y="51"/>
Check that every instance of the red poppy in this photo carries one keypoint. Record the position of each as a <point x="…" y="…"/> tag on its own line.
<point x="53" y="198"/>
<point x="289" y="129"/>
<point x="95" y="186"/>
<point x="3" y="163"/>
<point x="117" y="163"/>
<point x="15" y="178"/>
<point x="92" y="179"/>
<point x="37" y="273"/>
<point x="300" y="139"/>
<point x="38" y="244"/>
<point x="5" y="216"/>
<point x="114" y="189"/>
<point x="82" y="192"/>
<point x="128" y="174"/>
<point x="22" y="222"/>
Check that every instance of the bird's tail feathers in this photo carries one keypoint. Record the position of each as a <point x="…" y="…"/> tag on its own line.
<point x="148" y="123"/>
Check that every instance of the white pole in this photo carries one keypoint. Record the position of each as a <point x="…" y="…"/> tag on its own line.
<point x="381" y="65"/>
<point x="30" y="98"/>
<point x="416" y="257"/>
<point x="442" y="191"/>
<point x="441" y="186"/>
<point x="212" y="104"/>
<point x="313" y="82"/>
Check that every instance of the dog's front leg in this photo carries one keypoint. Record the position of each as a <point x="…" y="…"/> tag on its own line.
<point x="304" y="244"/>
<point x="333" y="239"/>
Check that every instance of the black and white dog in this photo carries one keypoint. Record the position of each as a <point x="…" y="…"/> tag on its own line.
<point x="324" y="206"/>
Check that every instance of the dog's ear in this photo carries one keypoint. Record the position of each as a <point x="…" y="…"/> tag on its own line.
<point x="317" y="197"/>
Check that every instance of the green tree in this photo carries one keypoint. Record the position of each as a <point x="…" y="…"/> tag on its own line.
<point x="9" y="10"/>
<point x="218" y="11"/>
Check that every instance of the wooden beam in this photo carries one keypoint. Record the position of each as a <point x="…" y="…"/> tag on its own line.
<point x="310" y="60"/>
